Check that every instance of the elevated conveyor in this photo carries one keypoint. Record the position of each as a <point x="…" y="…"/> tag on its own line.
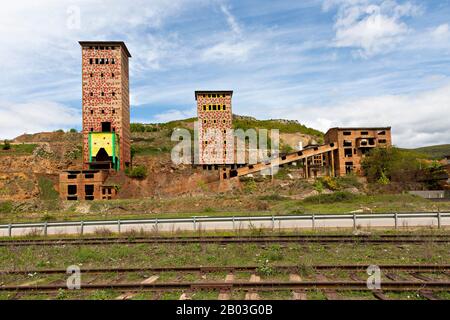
<point x="285" y="159"/>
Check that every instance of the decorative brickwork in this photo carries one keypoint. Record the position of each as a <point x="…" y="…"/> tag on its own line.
<point x="105" y="95"/>
<point x="214" y="112"/>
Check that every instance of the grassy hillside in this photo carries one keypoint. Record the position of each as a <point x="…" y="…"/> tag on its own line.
<point x="434" y="152"/>
<point x="239" y="122"/>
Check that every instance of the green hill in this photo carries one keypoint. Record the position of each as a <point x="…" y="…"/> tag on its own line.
<point x="434" y="152"/>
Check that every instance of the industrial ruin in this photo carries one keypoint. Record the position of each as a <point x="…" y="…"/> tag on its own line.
<point x="106" y="121"/>
<point x="106" y="132"/>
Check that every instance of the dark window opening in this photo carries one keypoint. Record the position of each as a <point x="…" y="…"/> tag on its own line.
<point x="91" y="61"/>
<point x="101" y="75"/>
<point x="347" y="133"/>
<point x="72" y="189"/>
<point x="364" y="133"/>
<point x="72" y="176"/>
<point x="92" y="75"/>
<point x="112" y="75"/>
<point x="113" y="61"/>
<point x="114" y="111"/>
<point x="348" y="152"/>
<point x="92" y="111"/>
<point x="224" y="107"/>
<point x="382" y="141"/>
<point x="106" y="126"/>
<point x="72" y="198"/>
<point x="204" y="108"/>
<point x="113" y="94"/>
<point x="348" y="167"/>
<point x="381" y="133"/>
<point x="91" y="94"/>
<point x="96" y="60"/>
<point x="89" y="192"/>
<point x="347" y="143"/>
<point x="214" y="107"/>
<point x="103" y="94"/>
<point x="92" y="129"/>
<point x="89" y="175"/>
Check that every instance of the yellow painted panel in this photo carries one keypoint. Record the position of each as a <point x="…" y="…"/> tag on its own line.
<point x="102" y="140"/>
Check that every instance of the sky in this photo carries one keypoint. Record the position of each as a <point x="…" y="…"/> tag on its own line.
<point x="325" y="63"/>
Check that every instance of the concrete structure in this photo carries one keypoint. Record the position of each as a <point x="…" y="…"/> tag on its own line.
<point x="85" y="185"/>
<point x="353" y="143"/>
<point x="215" y="118"/>
<point x="106" y="105"/>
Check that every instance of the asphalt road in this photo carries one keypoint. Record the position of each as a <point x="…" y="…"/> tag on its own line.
<point x="168" y="225"/>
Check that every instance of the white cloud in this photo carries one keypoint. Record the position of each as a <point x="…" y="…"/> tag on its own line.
<point x="16" y="119"/>
<point x="416" y="119"/>
<point x="236" y="47"/>
<point x="173" y="114"/>
<point x="370" y="26"/>
<point x="441" y="32"/>
<point x="231" y="20"/>
<point x="230" y="51"/>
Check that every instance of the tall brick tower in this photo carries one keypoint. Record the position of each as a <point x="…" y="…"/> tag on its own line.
<point x="214" y="112"/>
<point x="106" y="105"/>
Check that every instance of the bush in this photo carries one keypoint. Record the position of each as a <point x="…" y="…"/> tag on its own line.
<point x="273" y="197"/>
<point x="137" y="172"/>
<point x="6" y="145"/>
<point x="46" y="189"/>
<point x="73" y="130"/>
<point x="339" y="196"/>
<point x="391" y="164"/>
<point x="6" y="207"/>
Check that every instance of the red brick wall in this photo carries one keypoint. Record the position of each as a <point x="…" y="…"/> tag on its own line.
<point x="337" y="136"/>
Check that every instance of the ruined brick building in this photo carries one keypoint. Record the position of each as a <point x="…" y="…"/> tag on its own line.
<point x="353" y="143"/>
<point x="106" y="121"/>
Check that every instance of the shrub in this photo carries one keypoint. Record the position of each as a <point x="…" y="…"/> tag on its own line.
<point x="73" y="130"/>
<point x="137" y="172"/>
<point x="273" y="197"/>
<point x="392" y="164"/>
<point x="46" y="189"/>
<point x="330" y="183"/>
<point x="6" y="145"/>
<point x="6" y="207"/>
<point x="339" y="196"/>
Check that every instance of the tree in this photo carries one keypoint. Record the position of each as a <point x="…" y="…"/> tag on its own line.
<point x="392" y="164"/>
<point x="6" y="145"/>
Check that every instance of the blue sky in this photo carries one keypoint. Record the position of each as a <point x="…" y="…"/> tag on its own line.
<point x="325" y="63"/>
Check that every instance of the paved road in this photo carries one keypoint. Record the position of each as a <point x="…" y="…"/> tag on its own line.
<point x="226" y="223"/>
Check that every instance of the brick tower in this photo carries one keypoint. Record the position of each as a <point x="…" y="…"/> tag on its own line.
<point x="214" y="112"/>
<point x="106" y="105"/>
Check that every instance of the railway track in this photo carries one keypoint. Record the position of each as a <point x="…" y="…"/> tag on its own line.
<point x="405" y="238"/>
<point x="222" y="285"/>
<point x="418" y="281"/>
<point x="206" y="269"/>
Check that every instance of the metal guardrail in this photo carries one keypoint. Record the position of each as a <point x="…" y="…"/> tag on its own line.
<point x="196" y="221"/>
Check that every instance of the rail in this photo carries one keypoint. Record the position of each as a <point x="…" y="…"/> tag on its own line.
<point x="313" y="221"/>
